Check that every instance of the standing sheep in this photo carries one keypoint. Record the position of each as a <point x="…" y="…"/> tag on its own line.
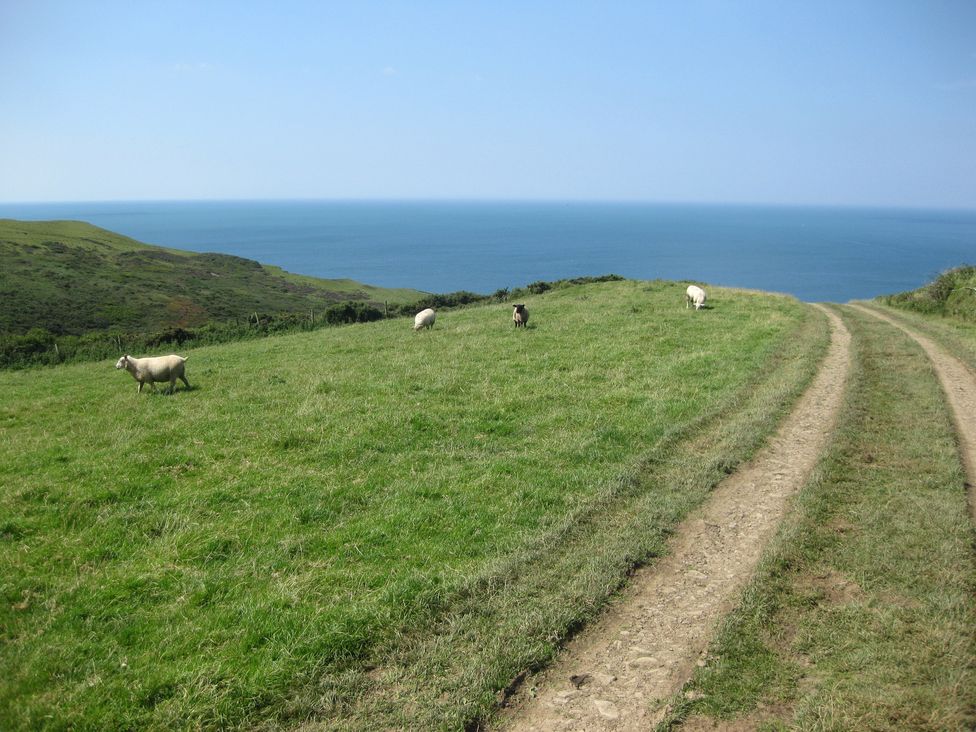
<point x="520" y="315"/>
<point x="694" y="294"/>
<point x="156" y="368"/>
<point x="424" y="319"/>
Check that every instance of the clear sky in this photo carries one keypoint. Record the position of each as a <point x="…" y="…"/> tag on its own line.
<point x="820" y="102"/>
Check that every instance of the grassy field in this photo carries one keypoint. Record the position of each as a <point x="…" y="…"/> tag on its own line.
<point x="69" y="277"/>
<point x="365" y="527"/>
<point x="862" y="615"/>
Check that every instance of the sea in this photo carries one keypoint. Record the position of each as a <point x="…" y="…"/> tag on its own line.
<point x="815" y="253"/>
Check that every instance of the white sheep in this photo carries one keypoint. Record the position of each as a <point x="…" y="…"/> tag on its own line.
<point x="155" y="368"/>
<point x="424" y="319"/>
<point x="520" y="315"/>
<point x="694" y="294"/>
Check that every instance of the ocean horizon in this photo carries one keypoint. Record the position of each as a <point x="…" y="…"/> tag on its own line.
<point x="817" y="253"/>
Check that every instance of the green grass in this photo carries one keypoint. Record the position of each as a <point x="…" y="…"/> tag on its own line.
<point x="69" y="277"/>
<point x="957" y="336"/>
<point x="862" y="614"/>
<point x="365" y="527"/>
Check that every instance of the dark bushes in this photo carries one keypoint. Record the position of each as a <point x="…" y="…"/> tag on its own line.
<point x="352" y="312"/>
<point x="178" y="336"/>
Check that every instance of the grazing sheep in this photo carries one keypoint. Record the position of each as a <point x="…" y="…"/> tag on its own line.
<point x="694" y="294"/>
<point x="156" y="368"/>
<point x="424" y="319"/>
<point x="520" y="315"/>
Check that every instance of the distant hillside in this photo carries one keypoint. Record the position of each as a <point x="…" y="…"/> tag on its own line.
<point x="71" y="278"/>
<point x="951" y="293"/>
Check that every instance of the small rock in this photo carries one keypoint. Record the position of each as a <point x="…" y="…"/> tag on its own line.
<point x="607" y="709"/>
<point x="644" y="661"/>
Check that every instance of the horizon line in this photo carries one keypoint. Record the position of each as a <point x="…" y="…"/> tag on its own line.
<point x="496" y="200"/>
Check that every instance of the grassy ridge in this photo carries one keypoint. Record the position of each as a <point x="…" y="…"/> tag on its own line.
<point x="861" y="616"/>
<point x="70" y="277"/>
<point x="321" y="505"/>
<point x="952" y="293"/>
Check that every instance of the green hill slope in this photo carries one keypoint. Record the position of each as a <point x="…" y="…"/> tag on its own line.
<point x="365" y="527"/>
<point x="69" y="277"/>
<point x="952" y="293"/>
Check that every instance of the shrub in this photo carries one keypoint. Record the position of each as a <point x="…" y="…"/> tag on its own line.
<point x="952" y="293"/>
<point x="352" y="312"/>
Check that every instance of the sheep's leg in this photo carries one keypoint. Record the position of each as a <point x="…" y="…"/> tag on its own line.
<point x="140" y="386"/>
<point x="183" y="379"/>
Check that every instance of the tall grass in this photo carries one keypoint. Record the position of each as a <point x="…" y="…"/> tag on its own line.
<point x="316" y="522"/>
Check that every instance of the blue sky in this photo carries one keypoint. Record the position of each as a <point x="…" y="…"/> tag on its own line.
<point x="836" y="102"/>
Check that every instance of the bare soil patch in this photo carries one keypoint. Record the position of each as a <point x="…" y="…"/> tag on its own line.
<point x="830" y="587"/>
<point x="618" y="674"/>
<point x="959" y="385"/>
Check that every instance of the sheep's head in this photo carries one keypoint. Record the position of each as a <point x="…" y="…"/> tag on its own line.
<point x="519" y="307"/>
<point x="122" y="363"/>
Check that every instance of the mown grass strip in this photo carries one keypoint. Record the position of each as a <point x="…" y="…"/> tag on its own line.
<point x="861" y="614"/>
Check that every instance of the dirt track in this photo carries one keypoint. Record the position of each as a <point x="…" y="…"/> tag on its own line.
<point x="959" y="385"/>
<point x="618" y="674"/>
